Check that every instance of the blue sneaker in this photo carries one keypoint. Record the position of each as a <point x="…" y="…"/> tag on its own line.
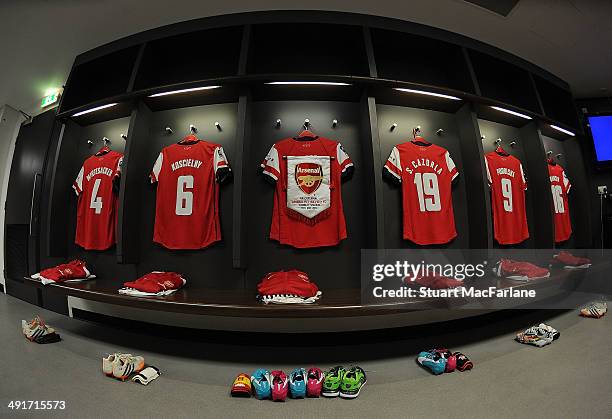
<point x="433" y="361"/>
<point x="260" y="381"/>
<point x="297" y="383"/>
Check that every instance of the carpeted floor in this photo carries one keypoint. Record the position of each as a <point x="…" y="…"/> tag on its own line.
<point x="570" y="378"/>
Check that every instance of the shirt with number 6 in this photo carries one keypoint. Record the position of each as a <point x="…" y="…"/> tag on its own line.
<point x="97" y="202"/>
<point x="187" y="209"/>
<point x="426" y="173"/>
<point x="560" y="187"/>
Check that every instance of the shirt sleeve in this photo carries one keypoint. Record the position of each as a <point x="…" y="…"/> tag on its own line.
<point x="220" y="160"/>
<point x="393" y="165"/>
<point x="78" y="182"/>
<point x="119" y="167"/>
<point x="488" y="171"/>
<point x="566" y="182"/>
<point x="343" y="158"/>
<point x="450" y="164"/>
<point x="271" y="164"/>
<point x="523" y="176"/>
<point x="157" y="168"/>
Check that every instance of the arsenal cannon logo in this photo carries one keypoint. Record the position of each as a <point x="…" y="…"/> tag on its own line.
<point x="308" y="177"/>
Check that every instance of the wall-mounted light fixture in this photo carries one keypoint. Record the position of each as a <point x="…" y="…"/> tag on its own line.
<point x="193" y="89"/>
<point x="426" y="93"/>
<point x="308" y="83"/>
<point x="97" y="108"/>
<point x="562" y="130"/>
<point x="520" y="115"/>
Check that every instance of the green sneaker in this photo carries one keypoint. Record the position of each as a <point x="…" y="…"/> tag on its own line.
<point x="333" y="379"/>
<point x="353" y="381"/>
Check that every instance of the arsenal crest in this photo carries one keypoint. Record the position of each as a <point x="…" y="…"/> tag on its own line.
<point x="308" y="177"/>
<point x="308" y="188"/>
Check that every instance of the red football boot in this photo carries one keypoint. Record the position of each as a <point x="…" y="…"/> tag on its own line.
<point x="520" y="271"/>
<point x="570" y="261"/>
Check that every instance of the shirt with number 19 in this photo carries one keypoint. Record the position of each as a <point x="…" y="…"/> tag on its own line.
<point x="426" y="173"/>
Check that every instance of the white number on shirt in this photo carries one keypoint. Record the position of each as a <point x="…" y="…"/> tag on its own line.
<point x="506" y="187"/>
<point x="427" y="190"/>
<point x="557" y="194"/>
<point x="96" y="201"/>
<point x="184" y="198"/>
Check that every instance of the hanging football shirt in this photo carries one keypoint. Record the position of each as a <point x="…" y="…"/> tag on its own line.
<point x="560" y="187"/>
<point x="308" y="199"/>
<point x="507" y="182"/>
<point x="187" y="211"/>
<point x="426" y="173"/>
<point x="97" y="202"/>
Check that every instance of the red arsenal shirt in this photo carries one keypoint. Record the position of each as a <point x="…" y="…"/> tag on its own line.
<point x="187" y="212"/>
<point x="560" y="187"/>
<point x="426" y="174"/>
<point x="313" y="169"/>
<point x="507" y="182"/>
<point x="97" y="203"/>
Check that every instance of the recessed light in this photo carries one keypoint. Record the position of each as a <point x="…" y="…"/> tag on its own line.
<point x="521" y="115"/>
<point x="562" y="130"/>
<point x="193" y="89"/>
<point x="109" y="105"/>
<point x="424" y="92"/>
<point x="307" y="83"/>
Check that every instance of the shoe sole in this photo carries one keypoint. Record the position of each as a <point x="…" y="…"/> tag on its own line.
<point x="330" y="393"/>
<point x="353" y="396"/>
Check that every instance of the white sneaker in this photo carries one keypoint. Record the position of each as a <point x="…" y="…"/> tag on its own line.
<point x="126" y="364"/>
<point x="35" y="329"/>
<point x="108" y="361"/>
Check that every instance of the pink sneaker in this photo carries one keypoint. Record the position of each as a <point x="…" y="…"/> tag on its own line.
<point x="314" y="382"/>
<point x="280" y="386"/>
<point x="451" y="359"/>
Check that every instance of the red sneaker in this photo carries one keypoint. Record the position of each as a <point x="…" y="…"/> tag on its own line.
<point x="435" y="282"/>
<point x="520" y="271"/>
<point x="570" y="261"/>
<point x="315" y="382"/>
<point x="280" y="386"/>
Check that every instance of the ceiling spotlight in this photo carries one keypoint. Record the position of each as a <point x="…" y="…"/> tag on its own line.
<point x="307" y="83"/>
<point x="193" y="89"/>
<point x="109" y="105"/>
<point x="562" y="130"/>
<point x="423" y="92"/>
<point x="521" y="115"/>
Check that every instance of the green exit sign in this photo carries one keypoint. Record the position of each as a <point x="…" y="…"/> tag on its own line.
<point x="49" y="99"/>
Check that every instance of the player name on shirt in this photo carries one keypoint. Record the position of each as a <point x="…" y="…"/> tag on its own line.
<point x="554" y="179"/>
<point x="424" y="162"/>
<point x="505" y="171"/>
<point x="100" y="171"/>
<point x="186" y="163"/>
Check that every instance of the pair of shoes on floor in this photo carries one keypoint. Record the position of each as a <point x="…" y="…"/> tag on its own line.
<point x="345" y="383"/>
<point x="596" y="309"/>
<point x="441" y="360"/>
<point x="276" y="385"/>
<point x="121" y="366"/>
<point x="37" y="331"/>
<point x="540" y="335"/>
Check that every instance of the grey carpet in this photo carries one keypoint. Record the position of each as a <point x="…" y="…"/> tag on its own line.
<point x="570" y="378"/>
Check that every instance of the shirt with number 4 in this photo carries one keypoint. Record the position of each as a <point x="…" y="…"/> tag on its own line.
<point x="187" y="209"/>
<point x="97" y="202"/>
<point x="426" y="173"/>
<point x="560" y="187"/>
<point x="508" y="185"/>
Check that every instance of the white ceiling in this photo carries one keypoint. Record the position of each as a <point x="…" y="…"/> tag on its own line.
<point x="40" y="38"/>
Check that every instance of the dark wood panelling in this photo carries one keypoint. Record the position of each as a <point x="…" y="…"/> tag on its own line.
<point x="315" y="48"/>
<point x="419" y="59"/>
